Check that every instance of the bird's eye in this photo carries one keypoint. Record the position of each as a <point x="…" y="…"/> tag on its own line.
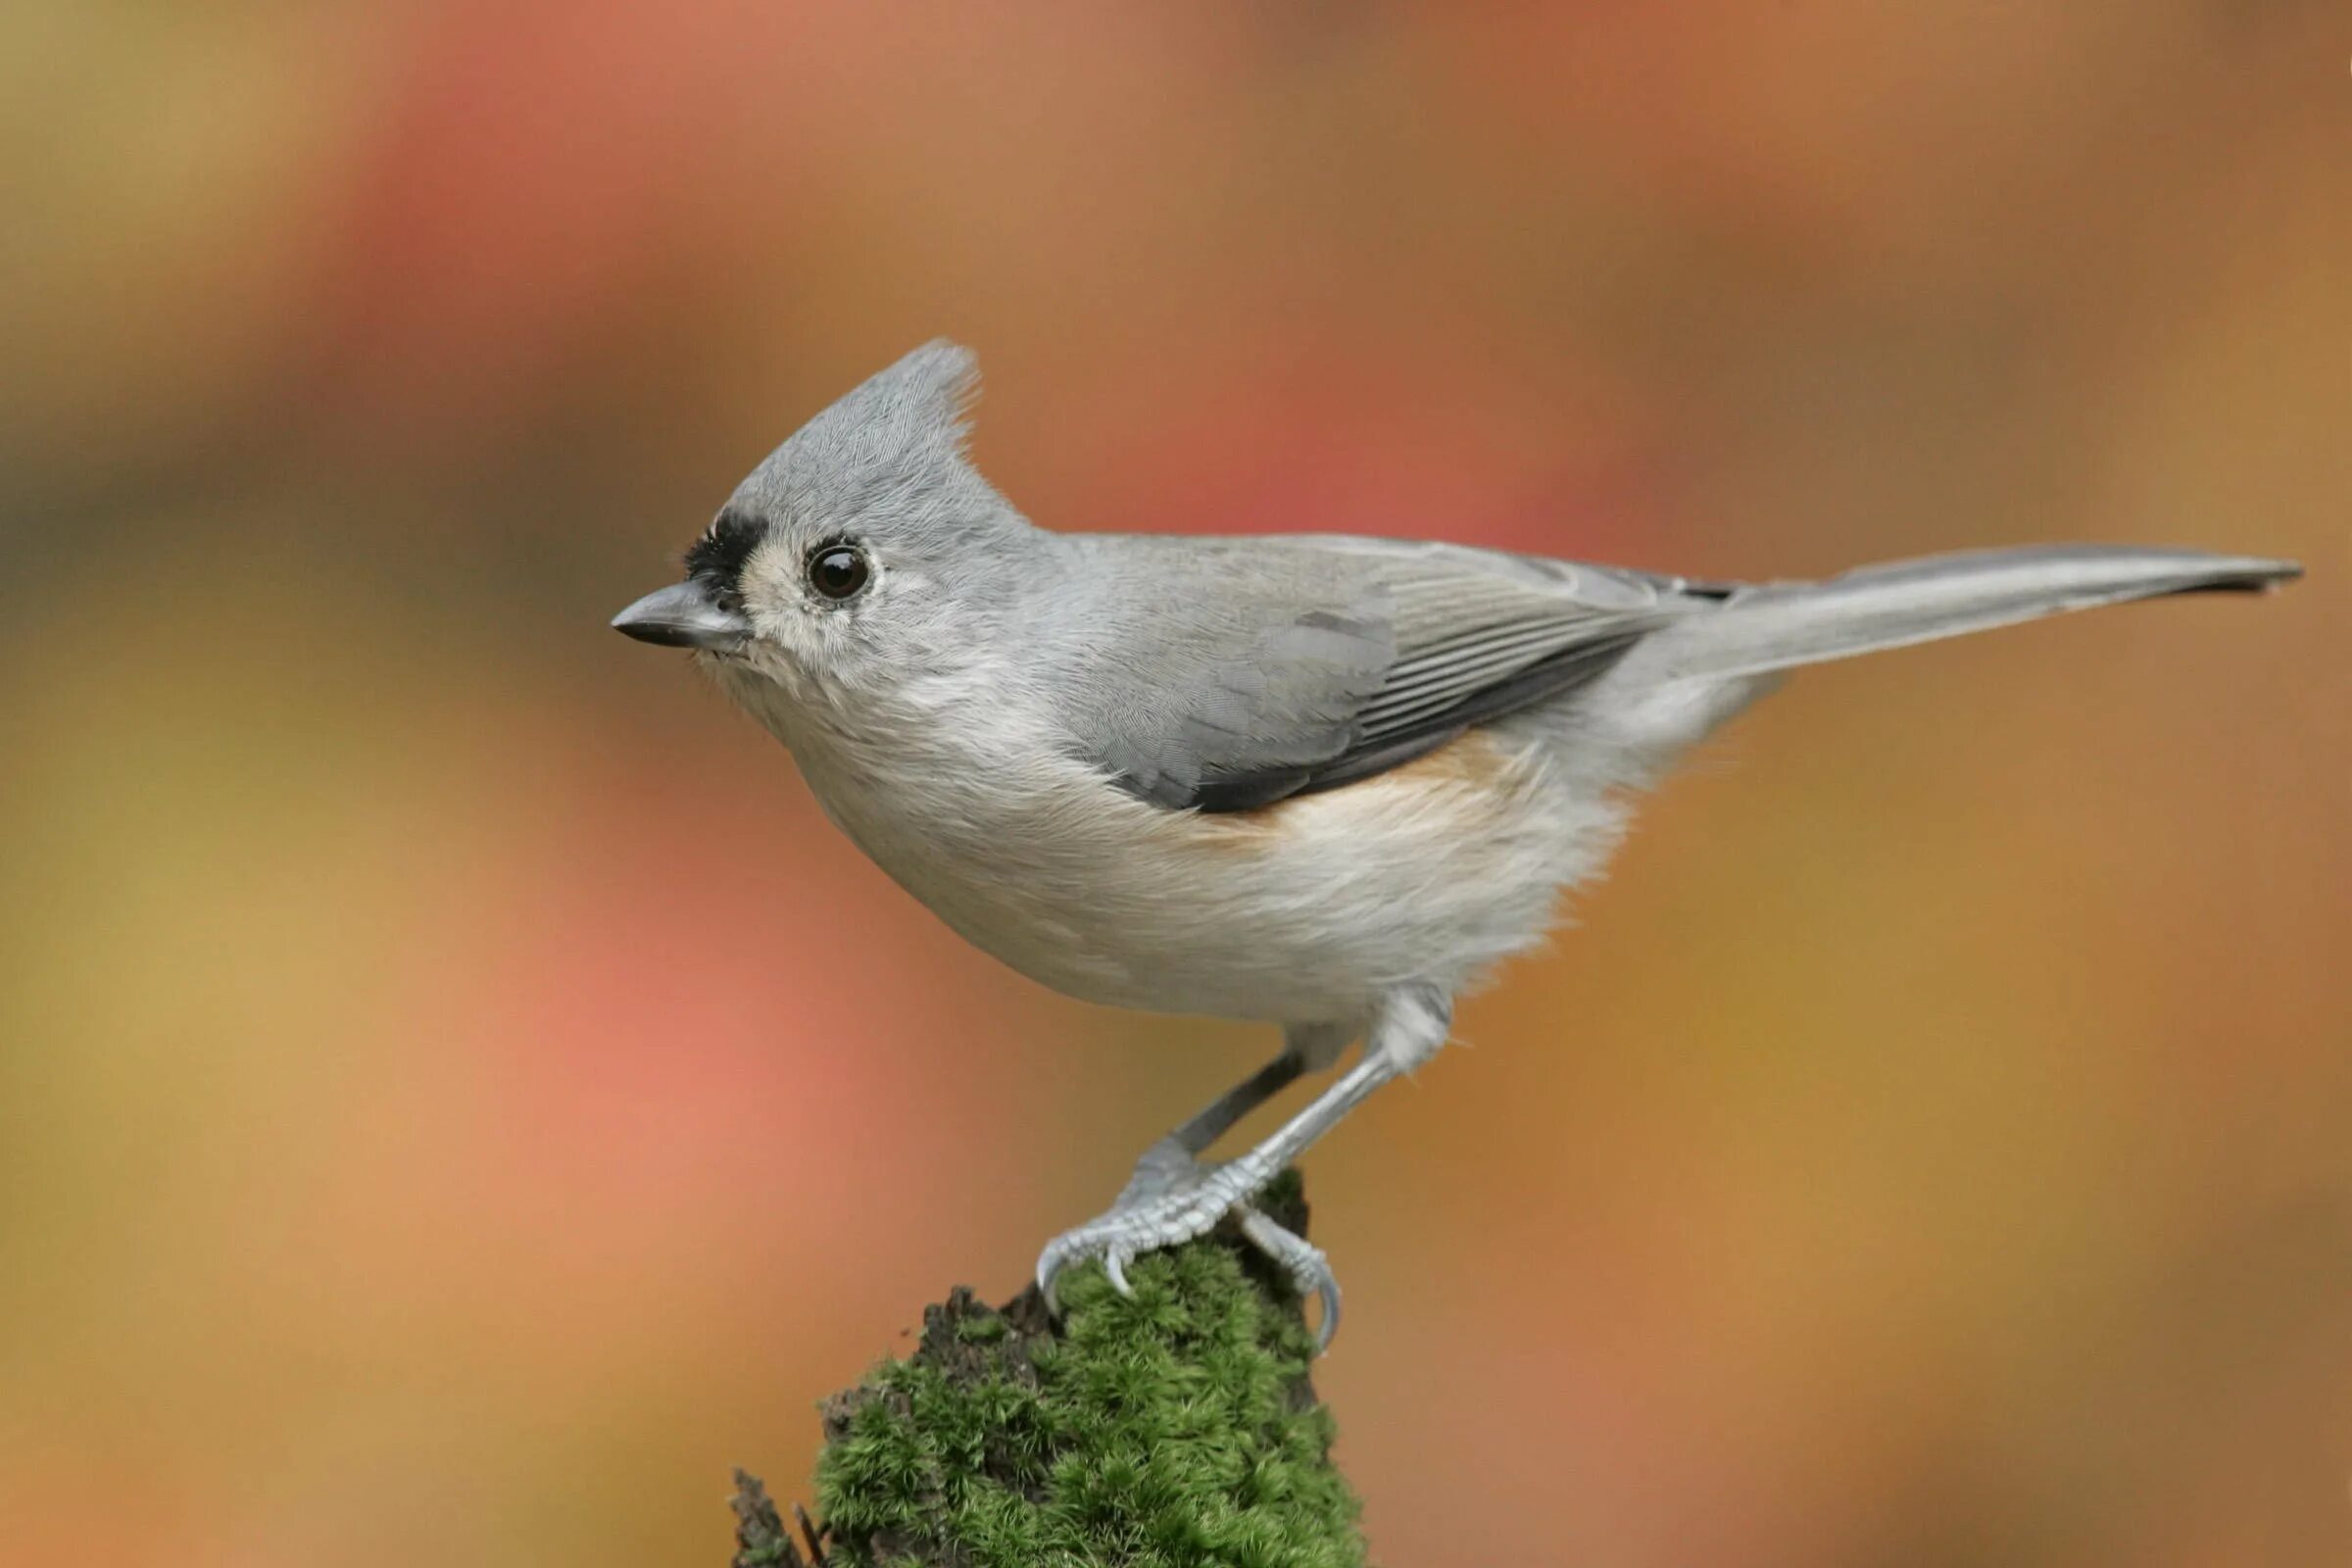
<point x="838" y="571"/>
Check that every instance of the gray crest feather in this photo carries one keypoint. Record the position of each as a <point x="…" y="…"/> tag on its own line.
<point x="895" y="442"/>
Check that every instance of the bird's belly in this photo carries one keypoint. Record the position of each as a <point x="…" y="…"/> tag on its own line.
<point x="1298" y="912"/>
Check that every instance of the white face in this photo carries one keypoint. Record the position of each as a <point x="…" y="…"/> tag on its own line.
<point x="854" y="621"/>
<point x="820" y="609"/>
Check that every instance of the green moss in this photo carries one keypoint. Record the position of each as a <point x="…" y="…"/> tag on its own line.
<point x="1175" y="1428"/>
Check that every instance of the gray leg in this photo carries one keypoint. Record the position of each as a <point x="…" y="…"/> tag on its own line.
<point x="1174" y="1162"/>
<point x="1240" y="1101"/>
<point x="1171" y="1161"/>
<point x="1173" y="1198"/>
<point x="1409" y="1027"/>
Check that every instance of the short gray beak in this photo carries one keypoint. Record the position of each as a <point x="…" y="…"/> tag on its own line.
<point x="682" y="615"/>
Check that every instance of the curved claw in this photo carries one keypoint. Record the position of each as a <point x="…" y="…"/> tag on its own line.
<point x="1066" y="1250"/>
<point x="1327" y="1288"/>
<point x="1309" y="1270"/>
<point x="1057" y="1257"/>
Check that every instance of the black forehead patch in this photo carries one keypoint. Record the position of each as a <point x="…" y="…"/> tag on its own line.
<point x="717" y="557"/>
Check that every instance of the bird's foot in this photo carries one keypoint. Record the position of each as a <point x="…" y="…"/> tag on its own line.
<point x="1303" y="1262"/>
<point x="1171" y="1198"/>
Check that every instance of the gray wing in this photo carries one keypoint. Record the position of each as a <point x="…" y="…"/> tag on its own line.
<point x="1242" y="671"/>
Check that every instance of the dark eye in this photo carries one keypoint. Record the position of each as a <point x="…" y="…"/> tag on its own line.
<point x="837" y="571"/>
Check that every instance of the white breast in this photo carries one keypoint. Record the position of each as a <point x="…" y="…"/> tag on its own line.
<point x="1296" y="913"/>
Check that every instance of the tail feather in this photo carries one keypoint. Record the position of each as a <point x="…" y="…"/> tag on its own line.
<point x="1780" y="625"/>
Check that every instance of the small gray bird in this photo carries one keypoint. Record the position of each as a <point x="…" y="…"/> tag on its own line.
<point x="1327" y="783"/>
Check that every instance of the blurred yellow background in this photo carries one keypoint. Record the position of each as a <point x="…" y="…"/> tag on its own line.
<point x="457" y="1095"/>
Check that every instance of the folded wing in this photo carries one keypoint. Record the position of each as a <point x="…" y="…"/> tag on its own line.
<point x="1259" y="669"/>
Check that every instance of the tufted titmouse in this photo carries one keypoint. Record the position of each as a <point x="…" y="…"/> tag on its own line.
<point x="1323" y="782"/>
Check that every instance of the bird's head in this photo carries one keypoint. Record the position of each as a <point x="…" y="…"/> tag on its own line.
<point x="864" y="557"/>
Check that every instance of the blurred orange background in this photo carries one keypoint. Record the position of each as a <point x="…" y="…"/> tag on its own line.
<point x="457" y="1095"/>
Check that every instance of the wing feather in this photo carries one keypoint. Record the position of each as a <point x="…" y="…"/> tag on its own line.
<point x="1273" y="667"/>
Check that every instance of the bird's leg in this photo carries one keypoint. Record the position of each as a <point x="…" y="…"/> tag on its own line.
<point x="1175" y="1160"/>
<point x="1176" y="1198"/>
<point x="1166" y="1164"/>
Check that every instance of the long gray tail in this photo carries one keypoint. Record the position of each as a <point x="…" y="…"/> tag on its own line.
<point x="1780" y="625"/>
